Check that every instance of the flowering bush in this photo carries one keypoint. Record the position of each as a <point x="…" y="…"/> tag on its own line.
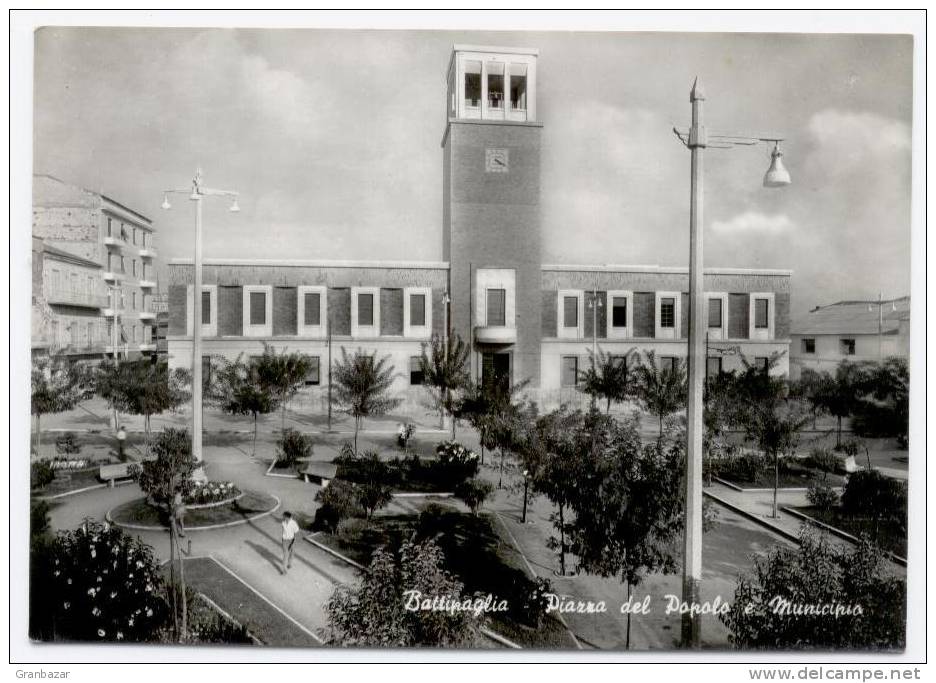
<point x="105" y="585"/>
<point x="204" y="492"/>
<point x="452" y="452"/>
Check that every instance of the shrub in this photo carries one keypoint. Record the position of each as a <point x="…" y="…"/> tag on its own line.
<point x="456" y="463"/>
<point x="825" y="460"/>
<point x="67" y="445"/>
<point x="293" y="446"/>
<point x="534" y="602"/>
<point x="202" y="493"/>
<point x="345" y="454"/>
<point x="38" y="518"/>
<point x="352" y="527"/>
<point x="41" y="474"/>
<point x="473" y="493"/>
<point x="741" y="467"/>
<point x="373" y="492"/>
<point x="431" y="520"/>
<point x="339" y="502"/>
<point x="822" y="496"/>
<point x="873" y="495"/>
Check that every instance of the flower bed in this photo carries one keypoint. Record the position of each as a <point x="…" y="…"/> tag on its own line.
<point x="212" y="493"/>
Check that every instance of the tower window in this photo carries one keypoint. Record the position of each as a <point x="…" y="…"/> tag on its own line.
<point x="809" y="345"/>
<point x="760" y="313"/>
<point x="570" y="374"/>
<point x="365" y="309"/>
<point x="415" y="370"/>
<point x="570" y="311"/>
<point x="497" y="307"/>
<point x="848" y="347"/>
<point x="495" y="83"/>
<point x="714" y="312"/>
<point x="313" y="309"/>
<point x="418" y="310"/>
<point x="668" y="312"/>
<point x="205" y="307"/>
<point x="518" y="86"/>
<point x="258" y="308"/>
<point x="473" y="84"/>
<point x="619" y="311"/>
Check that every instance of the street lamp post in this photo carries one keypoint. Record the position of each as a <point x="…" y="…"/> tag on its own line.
<point x="196" y="194"/>
<point x="697" y="138"/>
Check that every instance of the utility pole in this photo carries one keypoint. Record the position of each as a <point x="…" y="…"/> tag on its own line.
<point x="328" y="343"/>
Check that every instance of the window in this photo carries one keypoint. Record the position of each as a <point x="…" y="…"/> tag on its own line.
<point x="205" y="308"/>
<point x="668" y="363"/>
<point x="133" y="267"/>
<point x="415" y="370"/>
<point x="668" y="312"/>
<point x="570" y="371"/>
<point x="133" y="300"/>
<point x="809" y="345"/>
<point x="619" y="311"/>
<point x="313" y="377"/>
<point x="143" y="239"/>
<point x="848" y="347"/>
<point x="495" y="83"/>
<point x="518" y="86"/>
<point x="497" y="307"/>
<point x="570" y="311"/>
<point x="620" y="361"/>
<point x="473" y="84"/>
<point x="134" y="235"/>
<point x="365" y="309"/>
<point x="761" y="307"/>
<point x="762" y="363"/>
<point x="258" y="308"/>
<point x="90" y="331"/>
<point x="417" y="310"/>
<point x="713" y="366"/>
<point x="110" y="231"/>
<point x="206" y="371"/>
<point x="715" y="313"/>
<point x="312" y="313"/>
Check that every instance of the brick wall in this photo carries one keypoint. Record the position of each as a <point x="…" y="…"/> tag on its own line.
<point x="285" y="311"/>
<point x="738" y="315"/>
<point x="391" y="311"/>
<point x="644" y="314"/>
<point x="550" y="314"/>
<point x="782" y="315"/>
<point x="177" y="309"/>
<point x="230" y="311"/>
<point x="339" y="310"/>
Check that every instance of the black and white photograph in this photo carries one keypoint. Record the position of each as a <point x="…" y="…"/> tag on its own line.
<point x="502" y="342"/>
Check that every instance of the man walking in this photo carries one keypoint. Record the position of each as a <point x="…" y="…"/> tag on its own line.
<point x="290" y="529"/>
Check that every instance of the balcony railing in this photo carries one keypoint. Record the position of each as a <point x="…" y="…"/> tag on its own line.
<point x="115" y="241"/>
<point x="147" y="284"/>
<point x="147" y="252"/>
<point x="114" y="274"/>
<point x="71" y="297"/>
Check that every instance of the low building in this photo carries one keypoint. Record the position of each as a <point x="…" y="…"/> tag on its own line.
<point x="93" y="274"/>
<point x="850" y="330"/>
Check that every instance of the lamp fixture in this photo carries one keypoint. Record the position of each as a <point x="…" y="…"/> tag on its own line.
<point x="777" y="175"/>
<point x="166" y="205"/>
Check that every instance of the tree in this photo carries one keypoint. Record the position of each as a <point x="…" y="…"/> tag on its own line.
<point x="779" y="605"/>
<point x="339" y="500"/>
<point x="628" y="502"/>
<point x="473" y="492"/>
<point x="372" y="490"/>
<point x="445" y="371"/>
<point x="840" y="395"/>
<point x="237" y="390"/>
<point x="769" y="415"/>
<point x="550" y="453"/>
<point x="57" y="386"/>
<point x="282" y="374"/>
<point x="151" y="389"/>
<point x="294" y="446"/>
<point x="384" y="609"/>
<point x="100" y="585"/>
<point x="889" y="381"/>
<point x="607" y="377"/>
<point x="661" y="389"/>
<point x="164" y="477"/>
<point x="500" y="414"/>
<point x="362" y="386"/>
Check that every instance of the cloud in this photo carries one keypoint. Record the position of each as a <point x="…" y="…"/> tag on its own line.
<point x="755" y="223"/>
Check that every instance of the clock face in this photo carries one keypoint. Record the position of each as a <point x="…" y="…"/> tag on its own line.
<point x="496" y="160"/>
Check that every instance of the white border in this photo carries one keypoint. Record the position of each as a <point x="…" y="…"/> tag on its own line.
<point x="317" y="331"/>
<point x="266" y="329"/>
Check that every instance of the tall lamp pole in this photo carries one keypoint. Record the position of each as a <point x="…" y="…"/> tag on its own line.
<point x="696" y="138"/>
<point x="196" y="194"/>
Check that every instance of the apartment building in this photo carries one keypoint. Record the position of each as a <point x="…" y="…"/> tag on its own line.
<point x="94" y="274"/>
<point x="523" y="320"/>
<point x="855" y="330"/>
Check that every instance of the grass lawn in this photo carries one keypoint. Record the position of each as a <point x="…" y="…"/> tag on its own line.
<point x="206" y="576"/>
<point x="474" y="552"/>
<point x="139" y="512"/>
<point x="791" y="476"/>
<point x="888" y="535"/>
<point x="66" y="481"/>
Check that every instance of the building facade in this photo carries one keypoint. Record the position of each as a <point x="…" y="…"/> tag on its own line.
<point x="523" y="320"/>
<point x="94" y="274"/>
<point x="850" y="330"/>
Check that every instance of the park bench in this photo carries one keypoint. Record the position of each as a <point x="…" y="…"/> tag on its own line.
<point x="111" y="473"/>
<point x="320" y="472"/>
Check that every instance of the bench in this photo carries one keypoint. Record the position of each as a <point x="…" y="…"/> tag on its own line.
<point x="111" y="473"/>
<point x="320" y="472"/>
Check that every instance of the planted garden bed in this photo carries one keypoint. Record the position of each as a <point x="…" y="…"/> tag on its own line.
<point x="140" y="513"/>
<point x="65" y="481"/>
<point x="888" y="534"/>
<point x="474" y="552"/>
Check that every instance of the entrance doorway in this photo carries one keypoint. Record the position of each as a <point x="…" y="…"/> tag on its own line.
<point x="495" y="368"/>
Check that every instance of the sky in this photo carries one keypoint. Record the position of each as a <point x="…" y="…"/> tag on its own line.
<point x="333" y="138"/>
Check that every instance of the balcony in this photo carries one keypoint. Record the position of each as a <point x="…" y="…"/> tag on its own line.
<point x="147" y="252"/>
<point x="113" y="275"/>
<point x="147" y="284"/>
<point x="111" y="312"/>
<point x="147" y="315"/>
<point x="147" y="346"/>
<point x="114" y="241"/>
<point x="495" y="334"/>
<point x="68" y="297"/>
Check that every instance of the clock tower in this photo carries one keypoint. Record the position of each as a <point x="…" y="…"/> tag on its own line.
<point x="491" y="210"/>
